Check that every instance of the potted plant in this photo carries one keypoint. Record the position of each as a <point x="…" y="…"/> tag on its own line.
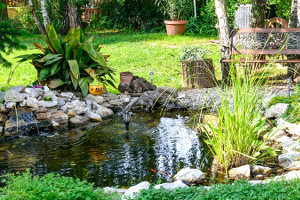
<point x="177" y="10"/>
<point x="197" y="70"/>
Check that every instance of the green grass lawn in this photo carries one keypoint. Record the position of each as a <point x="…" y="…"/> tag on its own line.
<point x="135" y="52"/>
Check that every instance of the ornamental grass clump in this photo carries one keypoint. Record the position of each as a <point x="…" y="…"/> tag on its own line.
<point x="236" y="140"/>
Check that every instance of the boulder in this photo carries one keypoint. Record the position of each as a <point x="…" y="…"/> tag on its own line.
<point x="257" y="169"/>
<point x="34" y="92"/>
<point x="189" y="175"/>
<point x="78" y="120"/>
<point x="286" y="159"/>
<point x="288" y="176"/>
<point x="61" y="102"/>
<point x="48" y="104"/>
<point x="135" y="190"/>
<point x="168" y="90"/>
<point x="50" y="94"/>
<point x="32" y="102"/>
<point x="125" y="98"/>
<point x="78" y="106"/>
<point x="71" y="113"/>
<point x="104" y="112"/>
<point x="93" y="116"/>
<point x="137" y="85"/>
<point x="276" y="111"/>
<point x="60" y="118"/>
<point x="242" y="172"/>
<point x="67" y="95"/>
<point x="171" y="186"/>
<point x="295" y="165"/>
<point x="116" y="102"/>
<point x="15" y="97"/>
<point x="96" y="99"/>
<point x="42" y="116"/>
<point x="19" y="88"/>
<point x="292" y="147"/>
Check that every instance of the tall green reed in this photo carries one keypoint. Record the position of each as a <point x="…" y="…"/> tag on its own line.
<point x="236" y="140"/>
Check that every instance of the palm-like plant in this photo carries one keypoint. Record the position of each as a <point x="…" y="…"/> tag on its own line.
<point x="71" y="60"/>
<point x="176" y="9"/>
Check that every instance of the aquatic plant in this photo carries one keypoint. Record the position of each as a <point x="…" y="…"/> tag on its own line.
<point x="236" y="140"/>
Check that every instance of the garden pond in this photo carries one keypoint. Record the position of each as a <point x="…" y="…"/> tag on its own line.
<point x="156" y="148"/>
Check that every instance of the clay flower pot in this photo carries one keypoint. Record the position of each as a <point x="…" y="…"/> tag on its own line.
<point x="96" y="89"/>
<point x="126" y="78"/>
<point x="175" y="27"/>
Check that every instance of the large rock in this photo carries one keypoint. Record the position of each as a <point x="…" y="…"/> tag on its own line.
<point x="48" y="104"/>
<point x="34" y="92"/>
<point x="137" y="85"/>
<point x="32" y="102"/>
<point x="276" y="111"/>
<point x="168" y="90"/>
<point x="104" y="112"/>
<point x="171" y="186"/>
<point x="19" y="88"/>
<point x="286" y="159"/>
<point x="257" y="169"/>
<point x="52" y="95"/>
<point x="78" y="120"/>
<point x="60" y="118"/>
<point x="242" y="172"/>
<point x="93" y="116"/>
<point x="67" y="96"/>
<point x="288" y="176"/>
<point x="189" y="175"/>
<point x="71" y="113"/>
<point x="97" y="99"/>
<point x="275" y="134"/>
<point x="293" y="166"/>
<point x="78" y="106"/>
<point x="43" y="116"/>
<point x="10" y="105"/>
<point x="292" y="147"/>
<point x="15" y="97"/>
<point x="3" y="109"/>
<point x="135" y="190"/>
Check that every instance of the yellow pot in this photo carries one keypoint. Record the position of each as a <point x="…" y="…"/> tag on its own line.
<point x="96" y="89"/>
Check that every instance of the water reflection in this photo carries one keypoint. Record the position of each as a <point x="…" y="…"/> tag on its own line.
<point x="156" y="149"/>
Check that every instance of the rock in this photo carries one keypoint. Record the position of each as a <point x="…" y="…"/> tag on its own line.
<point x="242" y="172"/>
<point x="3" y="118"/>
<point x="48" y="104"/>
<point x="137" y="85"/>
<point x="171" y="186"/>
<point x="34" y="92"/>
<point x="255" y="182"/>
<point x="112" y="190"/>
<point x="1" y="130"/>
<point x="67" y="95"/>
<point x="78" y="120"/>
<point x="276" y="111"/>
<point x="60" y="118"/>
<point x="61" y="102"/>
<point x="293" y="129"/>
<point x="43" y="110"/>
<point x="10" y="105"/>
<point x="292" y="147"/>
<point x="15" y="97"/>
<point x="293" y="166"/>
<point x="189" y="175"/>
<point x="24" y="103"/>
<point x="50" y="94"/>
<point x="109" y="96"/>
<point x="1" y="96"/>
<point x="288" y="176"/>
<point x="42" y="116"/>
<point x="115" y="102"/>
<point x="19" y="88"/>
<point x="286" y="159"/>
<point x="78" y="106"/>
<point x="275" y="134"/>
<point x="71" y="113"/>
<point x="259" y="177"/>
<point x="97" y="99"/>
<point x="107" y="105"/>
<point x="168" y="90"/>
<point x="135" y="190"/>
<point x="32" y="102"/>
<point x="55" y="124"/>
<point x="257" y="169"/>
<point x="3" y="109"/>
<point x="104" y="112"/>
<point x="284" y="140"/>
<point x="93" y="116"/>
<point x="125" y="98"/>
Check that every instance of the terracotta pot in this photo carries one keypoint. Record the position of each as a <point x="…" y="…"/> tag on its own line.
<point x="175" y="27"/>
<point x="126" y="78"/>
<point x="96" y="89"/>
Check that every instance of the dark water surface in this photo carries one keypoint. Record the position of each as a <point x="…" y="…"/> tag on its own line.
<point x="157" y="148"/>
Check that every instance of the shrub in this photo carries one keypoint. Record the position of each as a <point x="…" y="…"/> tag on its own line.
<point x="239" y="190"/>
<point x="50" y="186"/>
<point x="71" y="60"/>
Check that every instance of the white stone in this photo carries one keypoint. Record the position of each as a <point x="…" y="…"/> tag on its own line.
<point x="61" y="102"/>
<point x="10" y="105"/>
<point x="275" y="134"/>
<point x="97" y="99"/>
<point x="60" y="118"/>
<point x="19" y="88"/>
<point x="189" y="175"/>
<point x="50" y="94"/>
<point x="33" y="102"/>
<point x="67" y="95"/>
<point x="48" y="104"/>
<point x="135" y="190"/>
<point x="24" y="103"/>
<point x="242" y="172"/>
<point x="295" y="146"/>
<point x="78" y="120"/>
<point x="125" y="98"/>
<point x="257" y="169"/>
<point x="115" y="102"/>
<point x="288" y="176"/>
<point x="255" y="182"/>
<point x="15" y="97"/>
<point x="104" y="112"/>
<point x="34" y="92"/>
<point x="171" y="186"/>
<point x="276" y="111"/>
<point x="293" y="129"/>
<point x="55" y="124"/>
<point x="78" y="106"/>
<point x="93" y="116"/>
<point x="293" y="166"/>
<point x="285" y="140"/>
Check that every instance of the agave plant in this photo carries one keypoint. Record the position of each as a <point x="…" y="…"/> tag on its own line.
<point x="72" y="61"/>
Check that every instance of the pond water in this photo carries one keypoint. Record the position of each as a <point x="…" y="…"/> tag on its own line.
<point x="157" y="148"/>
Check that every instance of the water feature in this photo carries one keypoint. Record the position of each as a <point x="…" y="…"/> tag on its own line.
<point x="156" y="148"/>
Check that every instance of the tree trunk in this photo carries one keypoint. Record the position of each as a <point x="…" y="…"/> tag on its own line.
<point x="224" y="36"/>
<point x="71" y="16"/>
<point x="298" y="12"/>
<point x="45" y="13"/>
<point x="36" y="19"/>
<point x="258" y="14"/>
<point x="3" y="11"/>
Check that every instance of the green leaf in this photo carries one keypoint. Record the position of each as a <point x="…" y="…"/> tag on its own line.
<point x="90" y="72"/>
<point x="56" y="83"/>
<point x="74" y="68"/>
<point x="69" y="49"/>
<point x="49" y="56"/>
<point x="54" y="68"/>
<point x="29" y="57"/>
<point x="96" y="56"/>
<point x="49" y="62"/>
<point x="52" y="35"/>
<point x="69" y="35"/>
<point x="84" y="84"/>
<point x="44" y="73"/>
<point x="74" y="81"/>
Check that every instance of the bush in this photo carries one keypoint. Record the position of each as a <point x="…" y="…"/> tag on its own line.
<point x="239" y="190"/>
<point x="50" y="186"/>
